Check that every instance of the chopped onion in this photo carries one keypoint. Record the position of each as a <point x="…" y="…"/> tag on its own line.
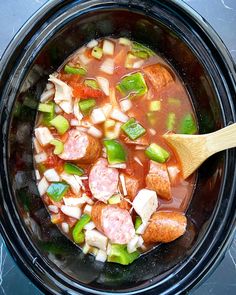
<point x="96" y="239"/>
<point x="86" y="124"/>
<point x="88" y="200"/>
<point x="97" y="116"/>
<point x="53" y="208"/>
<point x="95" y="132"/>
<point x="142" y="228"/>
<point x="49" y="86"/>
<point x="77" y="112"/>
<point x="74" y="122"/>
<point x="72" y="181"/>
<point x="39" y="158"/>
<point x="122" y="180"/>
<point x="58" y="110"/>
<point x="51" y="175"/>
<point x="132" y="244"/>
<point x="152" y="131"/>
<point x="119" y="166"/>
<point x="46" y="95"/>
<point x="43" y="135"/>
<point x="89" y="226"/>
<point x="92" y="43"/>
<point x="104" y="85"/>
<point x="74" y="201"/>
<point x="78" y="179"/>
<point x="88" y="209"/>
<point x="107" y="107"/>
<point x="140" y="242"/>
<point x="108" y="47"/>
<point x="112" y="97"/>
<point x="65" y="227"/>
<point x="83" y="129"/>
<point x="86" y="248"/>
<point x="138" y="161"/>
<point x="84" y="59"/>
<point x="37" y="146"/>
<point x="43" y="186"/>
<point x="138" y="64"/>
<point x="116" y="114"/>
<point x="124" y="41"/>
<point x="74" y="212"/>
<point x="66" y="106"/>
<point x="37" y="174"/>
<point x="125" y="105"/>
<point x="63" y="92"/>
<point x="108" y="249"/>
<point x="108" y="66"/>
<point x="173" y="172"/>
<point x="101" y="256"/>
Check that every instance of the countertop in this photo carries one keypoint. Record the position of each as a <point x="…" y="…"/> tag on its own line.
<point x="221" y="15"/>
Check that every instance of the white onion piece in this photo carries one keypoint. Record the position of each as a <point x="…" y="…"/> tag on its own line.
<point x="122" y="180"/>
<point x="89" y="226"/>
<point x="63" y="92"/>
<point x="65" y="227"/>
<point x="92" y="43"/>
<point x="108" y="47"/>
<point x="124" y="41"/>
<point x="84" y="59"/>
<point x="125" y="105"/>
<point x="74" y="122"/>
<point x="74" y="201"/>
<point x="52" y="175"/>
<point x="86" y="248"/>
<point x="138" y="64"/>
<point x="58" y="110"/>
<point x="72" y="181"/>
<point x="41" y="157"/>
<point x="77" y="112"/>
<point x="173" y="172"/>
<point x="116" y="114"/>
<point x="74" y="212"/>
<point x="88" y="209"/>
<point x="95" y="132"/>
<point x="97" y="116"/>
<point x="96" y="239"/>
<point x="37" y="146"/>
<point x="108" y="66"/>
<point x="138" y="161"/>
<point x="140" y="242"/>
<point x="53" y="208"/>
<point x="119" y="166"/>
<point x="43" y="135"/>
<point x="49" y="86"/>
<point x="141" y="229"/>
<point x="132" y="244"/>
<point x="104" y="85"/>
<point x="88" y="200"/>
<point x="101" y="256"/>
<point x="43" y="186"/>
<point x="66" y="106"/>
<point x="37" y="175"/>
<point x="47" y="94"/>
<point x="107" y="107"/>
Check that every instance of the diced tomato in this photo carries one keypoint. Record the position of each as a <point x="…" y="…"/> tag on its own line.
<point x="82" y="91"/>
<point x="53" y="162"/>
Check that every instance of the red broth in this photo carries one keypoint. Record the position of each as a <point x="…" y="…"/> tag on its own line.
<point x="172" y="98"/>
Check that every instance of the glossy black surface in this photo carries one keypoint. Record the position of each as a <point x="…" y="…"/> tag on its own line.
<point x="205" y="200"/>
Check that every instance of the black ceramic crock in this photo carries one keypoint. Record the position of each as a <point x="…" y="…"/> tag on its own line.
<point x="184" y="39"/>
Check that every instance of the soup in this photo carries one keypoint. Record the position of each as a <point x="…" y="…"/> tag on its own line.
<point x="104" y="172"/>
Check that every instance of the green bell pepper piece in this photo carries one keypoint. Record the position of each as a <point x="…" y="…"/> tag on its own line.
<point x="119" y="254"/>
<point x="91" y="83"/>
<point x="46" y="107"/>
<point x="59" y="146"/>
<point x="48" y="112"/>
<point x="133" y="84"/>
<point x="60" y="123"/>
<point x="170" y="122"/>
<point x="157" y="153"/>
<point x="141" y="51"/>
<point x="87" y="105"/>
<point x="97" y="52"/>
<point x="75" y="71"/>
<point x="133" y="129"/>
<point x="188" y="125"/>
<point x="114" y="200"/>
<point x="77" y="234"/>
<point x="73" y="169"/>
<point x="138" y="222"/>
<point x="115" y="151"/>
<point x="57" y="190"/>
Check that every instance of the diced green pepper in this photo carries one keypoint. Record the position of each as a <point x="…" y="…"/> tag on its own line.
<point x="141" y="51"/>
<point x="73" y="169"/>
<point x="133" y="129"/>
<point x="138" y="222"/>
<point x="129" y="61"/>
<point x="114" y="200"/>
<point x="152" y="118"/>
<point x="47" y="116"/>
<point x="157" y="153"/>
<point x="46" y="107"/>
<point x="91" y="83"/>
<point x="155" y="106"/>
<point x="57" y="190"/>
<point x="133" y="84"/>
<point x="87" y="105"/>
<point x="188" y="125"/>
<point x="75" y="71"/>
<point x="59" y="146"/>
<point x="119" y="254"/>
<point x="124" y="41"/>
<point x="170" y="122"/>
<point x="174" y="101"/>
<point x="97" y="52"/>
<point x="115" y="151"/>
<point x="61" y="124"/>
<point x="78" y="235"/>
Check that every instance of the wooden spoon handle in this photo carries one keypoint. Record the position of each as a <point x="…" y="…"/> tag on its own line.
<point x="222" y="139"/>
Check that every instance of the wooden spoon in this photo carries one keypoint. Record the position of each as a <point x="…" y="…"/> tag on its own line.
<point x="193" y="150"/>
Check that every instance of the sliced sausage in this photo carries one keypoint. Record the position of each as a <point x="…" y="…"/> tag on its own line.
<point x="165" y="227"/>
<point x="103" y="180"/>
<point x="158" y="180"/>
<point x="132" y="186"/>
<point x="158" y="75"/>
<point x="114" y="222"/>
<point x="81" y="147"/>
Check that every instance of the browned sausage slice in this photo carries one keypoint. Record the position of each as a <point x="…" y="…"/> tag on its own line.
<point x="81" y="147"/>
<point x="165" y="227"/>
<point x="103" y="180"/>
<point x="158" y="75"/>
<point x="158" y="180"/>
<point x="132" y="186"/>
<point x="114" y="222"/>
